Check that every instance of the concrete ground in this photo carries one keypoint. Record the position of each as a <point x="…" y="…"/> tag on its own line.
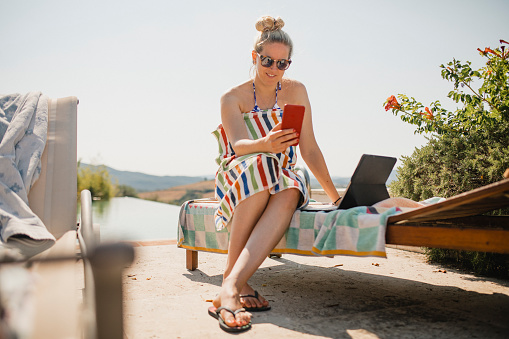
<point x="316" y="297"/>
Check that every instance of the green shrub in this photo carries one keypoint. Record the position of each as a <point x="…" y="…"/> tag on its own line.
<point x="97" y="180"/>
<point x="126" y="191"/>
<point x="482" y="263"/>
<point x="451" y="164"/>
<point x="469" y="147"/>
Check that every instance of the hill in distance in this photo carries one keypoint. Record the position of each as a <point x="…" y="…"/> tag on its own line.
<point x="142" y="182"/>
<point x="178" y="194"/>
<point x="205" y="189"/>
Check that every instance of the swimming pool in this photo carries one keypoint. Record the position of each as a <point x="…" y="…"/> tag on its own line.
<point x="132" y="219"/>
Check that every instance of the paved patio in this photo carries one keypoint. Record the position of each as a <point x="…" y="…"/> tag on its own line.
<point x="316" y="297"/>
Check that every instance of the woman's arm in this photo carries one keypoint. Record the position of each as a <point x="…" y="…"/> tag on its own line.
<point x="318" y="167"/>
<point x="310" y="151"/>
<point x="233" y="123"/>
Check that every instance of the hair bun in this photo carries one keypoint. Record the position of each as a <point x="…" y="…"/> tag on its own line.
<point x="268" y="23"/>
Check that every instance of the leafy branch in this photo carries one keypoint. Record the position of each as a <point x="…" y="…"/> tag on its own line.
<point x="486" y="106"/>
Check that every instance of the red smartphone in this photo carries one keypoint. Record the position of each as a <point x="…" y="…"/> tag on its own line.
<point x="293" y="115"/>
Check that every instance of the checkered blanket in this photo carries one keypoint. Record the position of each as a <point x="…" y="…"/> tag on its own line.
<point x="358" y="231"/>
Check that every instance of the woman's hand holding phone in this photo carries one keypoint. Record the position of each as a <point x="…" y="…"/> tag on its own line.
<point x="293" y="116"/>
<point x="287" y="132"/>
<point x="278" y="140"/>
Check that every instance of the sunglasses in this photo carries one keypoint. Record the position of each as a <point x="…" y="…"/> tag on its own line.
<point x="281" y="64"/>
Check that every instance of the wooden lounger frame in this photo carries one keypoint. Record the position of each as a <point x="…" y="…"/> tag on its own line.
<point x="455" y="223"/>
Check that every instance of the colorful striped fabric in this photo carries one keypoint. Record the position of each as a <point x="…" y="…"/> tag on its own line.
<point x="240" y="177"/>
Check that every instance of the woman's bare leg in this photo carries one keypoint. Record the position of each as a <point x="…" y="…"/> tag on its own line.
<point x="398" y="202"/>
<point x="247" y="214"/>
<point x="265" y="235"/>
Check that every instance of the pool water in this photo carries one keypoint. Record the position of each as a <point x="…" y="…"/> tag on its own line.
<point x="132" y="219"/>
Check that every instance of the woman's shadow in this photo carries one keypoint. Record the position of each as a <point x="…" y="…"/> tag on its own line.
<point x="336" y="303"/>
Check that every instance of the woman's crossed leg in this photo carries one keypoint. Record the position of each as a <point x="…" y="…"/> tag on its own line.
<point x="258" y="224"/>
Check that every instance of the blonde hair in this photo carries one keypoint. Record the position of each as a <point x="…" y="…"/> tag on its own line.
<point x="270" y="32"/>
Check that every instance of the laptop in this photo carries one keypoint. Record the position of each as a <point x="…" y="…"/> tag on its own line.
<point x="367" y="185"/>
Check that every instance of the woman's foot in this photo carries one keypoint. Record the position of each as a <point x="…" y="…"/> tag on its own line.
<point x="229" y="297"/>
<point x="216" y="313"/>
<point x="252" y="301"/>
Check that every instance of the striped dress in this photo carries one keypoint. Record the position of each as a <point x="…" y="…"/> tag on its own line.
<point x="240" y="177"/>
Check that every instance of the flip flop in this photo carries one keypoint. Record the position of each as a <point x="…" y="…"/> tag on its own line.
<point x="216" y="313"/>
<point x="254" y="309"/>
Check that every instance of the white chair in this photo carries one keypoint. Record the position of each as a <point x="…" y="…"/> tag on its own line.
<point x="59" y="311"/>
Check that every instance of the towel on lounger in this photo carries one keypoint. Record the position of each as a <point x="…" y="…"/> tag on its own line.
<point x="359" y="231"/>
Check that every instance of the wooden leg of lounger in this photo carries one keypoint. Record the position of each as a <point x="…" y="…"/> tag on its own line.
<point x="191" y="260"/>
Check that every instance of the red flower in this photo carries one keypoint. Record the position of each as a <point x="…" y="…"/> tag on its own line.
<point x="489" y="50"/>
<point x="392" y="103"/>
<point x="429" y="115"/>
<point x="504" y="53"/>
<point x="503" y="42"/>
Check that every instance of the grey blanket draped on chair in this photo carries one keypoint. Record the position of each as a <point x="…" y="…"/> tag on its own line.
<point x="23" y="131"/>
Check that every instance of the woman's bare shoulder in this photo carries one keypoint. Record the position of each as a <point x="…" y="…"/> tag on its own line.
<point x="292" y="82"/>
<point x="296" y="91"/>
<point x="236" y="94"/>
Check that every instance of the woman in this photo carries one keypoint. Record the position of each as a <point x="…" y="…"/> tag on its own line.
<point x="256" y="185"/>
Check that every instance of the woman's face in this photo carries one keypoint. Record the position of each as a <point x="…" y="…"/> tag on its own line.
<point x="276" y="51"/>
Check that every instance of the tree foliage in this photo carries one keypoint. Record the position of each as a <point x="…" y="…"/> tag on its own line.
<point x="126" y="191"/>
<point x="452" y="164"/>
<point x="97" y="180"/>
<point x="468" y="148"/>
<point x="483" y="107"/>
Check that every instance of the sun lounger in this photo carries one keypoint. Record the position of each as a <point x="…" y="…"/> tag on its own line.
<point x="58" y="310"/>
<point x="453" y="223"/>
<point x="456" y="223"/>
<point x="53" y="199"/>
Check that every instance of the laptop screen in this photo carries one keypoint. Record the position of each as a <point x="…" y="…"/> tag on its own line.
<point x="367" y="185"/>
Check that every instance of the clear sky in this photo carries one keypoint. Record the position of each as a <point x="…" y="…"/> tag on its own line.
<point x="149" y="74"/>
